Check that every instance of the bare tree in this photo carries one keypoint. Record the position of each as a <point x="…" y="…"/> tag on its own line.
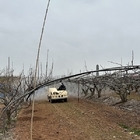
<point x="10" y="88"/>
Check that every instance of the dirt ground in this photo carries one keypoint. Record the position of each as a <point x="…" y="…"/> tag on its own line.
<point x="75" y="120"/>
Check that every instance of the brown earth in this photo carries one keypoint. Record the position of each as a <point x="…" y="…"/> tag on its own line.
<point x="76" y="121"/>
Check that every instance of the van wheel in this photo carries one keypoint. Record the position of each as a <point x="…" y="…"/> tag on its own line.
<point x="65" y="100"/>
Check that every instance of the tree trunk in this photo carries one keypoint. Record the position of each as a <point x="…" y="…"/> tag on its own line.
<point x="85" y="91"/>
<point x="99" y="93"/>
<point x="92" y="90"/>
<point x="8" y="112"/>
<point x="123" y="97"/>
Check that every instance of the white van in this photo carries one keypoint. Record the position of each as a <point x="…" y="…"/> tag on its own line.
<point x="54" y="94"/>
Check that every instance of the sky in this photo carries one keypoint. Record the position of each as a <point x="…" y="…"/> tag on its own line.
<point x="78" y="34"/>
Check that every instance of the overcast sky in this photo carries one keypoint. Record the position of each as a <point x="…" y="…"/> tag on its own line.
<point x="77" y="32"/>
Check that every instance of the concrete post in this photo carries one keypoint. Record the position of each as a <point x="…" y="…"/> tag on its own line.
<point x="97" y="69"/>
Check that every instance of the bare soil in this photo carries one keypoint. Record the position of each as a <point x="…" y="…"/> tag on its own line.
<point x="73" y="120"/>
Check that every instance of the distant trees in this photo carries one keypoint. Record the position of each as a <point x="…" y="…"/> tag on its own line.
<point x="122" y="83"/>
<point x="90" y="85"/>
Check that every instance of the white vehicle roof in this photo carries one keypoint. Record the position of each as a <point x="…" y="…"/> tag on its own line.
<point x="52" y="90"/>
